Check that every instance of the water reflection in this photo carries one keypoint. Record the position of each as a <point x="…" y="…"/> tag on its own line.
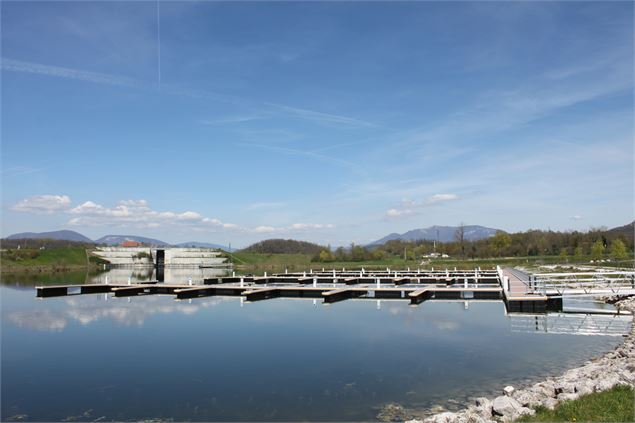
<point x="209" y="359"/>
<point x="574" y="324"/>
<point x="88" y="309"/>
<point x="180" y="275"/>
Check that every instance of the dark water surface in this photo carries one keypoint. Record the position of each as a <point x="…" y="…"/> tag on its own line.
<point x="97" y="357"/>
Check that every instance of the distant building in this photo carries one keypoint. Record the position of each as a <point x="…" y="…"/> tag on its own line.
<point x="131" y="244"/>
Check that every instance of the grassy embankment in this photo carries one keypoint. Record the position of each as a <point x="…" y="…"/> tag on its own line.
<point x="49" y="260"/>
<point x="614" y="405"/>
<point x="297" y="262"/>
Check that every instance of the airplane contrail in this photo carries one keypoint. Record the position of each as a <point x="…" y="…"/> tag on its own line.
<point x="159" y="41"/>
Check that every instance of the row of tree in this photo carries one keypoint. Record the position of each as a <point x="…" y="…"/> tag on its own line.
<point x="595" y="244"/>
<point x="284" y="246"/>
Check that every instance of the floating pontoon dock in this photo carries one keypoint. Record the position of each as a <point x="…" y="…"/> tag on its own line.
<point x="521" y="293"/>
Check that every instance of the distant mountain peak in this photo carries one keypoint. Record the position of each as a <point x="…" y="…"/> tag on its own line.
<point x="440" y="233"/>
<point x="63" y="235"/>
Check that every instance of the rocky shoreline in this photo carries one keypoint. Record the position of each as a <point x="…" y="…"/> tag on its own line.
<point x="600" y="374"/>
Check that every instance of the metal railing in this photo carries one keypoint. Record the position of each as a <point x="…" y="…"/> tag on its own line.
<point x="582" y="283"/>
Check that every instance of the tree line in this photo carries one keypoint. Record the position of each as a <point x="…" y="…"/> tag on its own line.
<point x="595" y="244"/>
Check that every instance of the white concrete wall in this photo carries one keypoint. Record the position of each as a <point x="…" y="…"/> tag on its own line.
<point x="185" y="257"/>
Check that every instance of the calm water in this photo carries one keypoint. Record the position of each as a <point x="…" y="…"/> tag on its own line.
<point x="97" y="357"/>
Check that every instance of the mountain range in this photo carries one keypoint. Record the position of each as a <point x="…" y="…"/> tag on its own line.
<point x="66" y="235"/>
<point x="58" y="235"/>
<point x="439" y="233"/>
<point x="432" y="233"/>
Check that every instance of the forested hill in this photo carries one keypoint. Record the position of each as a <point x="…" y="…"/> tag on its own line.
<point x="627" y="231"/>
<point x="283" y="246"/>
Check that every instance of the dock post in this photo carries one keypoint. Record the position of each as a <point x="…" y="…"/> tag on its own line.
<point x="465" y="283"/>
<point x="286" y="271"/>
<point x="333" y="273"/>
<point x="314" y="282"/>
<point x="242" y="282"/>
<point x="233" y="274"/>
<point x="304" y="274"/>
<point x="265" y="274"/>
<point x="129" y="281"/>
<point x="311" y="271"/>
<point x="106" y="280"/>
<point x="447" y="274"/>
<point x="418" y="271"/>
<point x="433" y="269"/>
<point x="378" y="281"/>
<point x="189" y="281"/>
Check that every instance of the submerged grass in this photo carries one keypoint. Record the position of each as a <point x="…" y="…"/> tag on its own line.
<point x="614" y="405"/>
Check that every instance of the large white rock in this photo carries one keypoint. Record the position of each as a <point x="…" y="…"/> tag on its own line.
<point x="606" y="383"/>
<point x="549" y="403"/>
<point x="508" y="390"/>
<point x="505" y="406"/>
<point x="446" y="417"/>
<point x="565" y="396"/>
<point x="527" y="398"/>
<point x="545" y="389"/>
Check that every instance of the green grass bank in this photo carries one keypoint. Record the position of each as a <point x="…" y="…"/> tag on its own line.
<point x="614" y="405"/>
<point x="50" y="259"/>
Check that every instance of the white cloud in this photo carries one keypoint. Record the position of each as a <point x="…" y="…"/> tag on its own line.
<point x="305" y="226"/>
<point x="411" y="207"/>
<point x="139" y="214"/>
<point x="576" y="217"/>
<point x="43" y="204"/>
<point x="317" y="117"/>
<point x="265" y="229"/>
<point x="398" y="212"/>
<point x="438" y="198"/>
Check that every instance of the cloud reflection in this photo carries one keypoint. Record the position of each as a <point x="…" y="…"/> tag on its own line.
<point x="120" y="311"/>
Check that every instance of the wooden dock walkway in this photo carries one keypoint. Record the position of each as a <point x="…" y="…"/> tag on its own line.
<point x="519" y="297"/>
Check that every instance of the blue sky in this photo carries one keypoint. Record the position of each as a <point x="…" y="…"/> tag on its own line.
<point x="330" y="122"/>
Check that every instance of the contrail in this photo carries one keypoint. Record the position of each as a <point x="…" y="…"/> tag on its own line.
<point x="159" y="41"/>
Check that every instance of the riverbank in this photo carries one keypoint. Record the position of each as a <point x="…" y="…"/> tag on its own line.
<point x="49" y="260"/>
<point x="598" y="375"/>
